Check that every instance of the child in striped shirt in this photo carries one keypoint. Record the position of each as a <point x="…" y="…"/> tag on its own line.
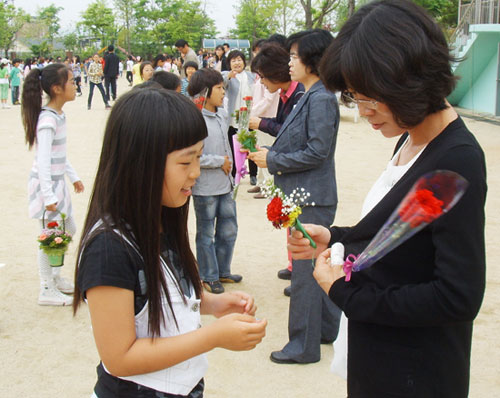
<point x="48" y="194"/>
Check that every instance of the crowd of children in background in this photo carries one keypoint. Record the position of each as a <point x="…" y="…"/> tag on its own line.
<point x="14" y="71"/>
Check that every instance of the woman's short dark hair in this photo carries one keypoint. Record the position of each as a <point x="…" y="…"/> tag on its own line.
<point x="272" y="63"/>
<point x="278" y="39"/>
<point x="311" y="45"/>
<point x="258" y="44"/>
<point x="167" y="80"/>
<point x="394" y="52"/>
<point x="143" y="128"/>
<point x="235" y="54"/>
<point x="204" y="79"/>
<point x="190" y="64"/>
<point x="143" y="65"/>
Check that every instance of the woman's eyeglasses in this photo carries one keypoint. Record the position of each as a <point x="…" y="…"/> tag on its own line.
<point x="348" y="98"/>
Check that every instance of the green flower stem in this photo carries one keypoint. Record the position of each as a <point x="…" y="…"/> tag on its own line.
<point x="300" y="227"/>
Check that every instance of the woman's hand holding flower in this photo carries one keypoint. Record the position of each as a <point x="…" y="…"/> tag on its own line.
<point x="254" y="123"/>
<point x="301" y="248"/>
<point x="326" y="274"/>
<point x="259" y="157"/>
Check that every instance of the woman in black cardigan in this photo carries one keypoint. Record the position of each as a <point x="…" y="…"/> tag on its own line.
<point x="410" y="315"/>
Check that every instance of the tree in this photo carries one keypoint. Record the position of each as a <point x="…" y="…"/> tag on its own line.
<point x="98" y="20"/>
<point x="158" y="24"/>
<point x="70" y="42"/>
<point x="125" y="14"/>
<point x="48" y="16"/>
<point x="12" y="20"/>
<point x="256" y="19"/>
<point x="288" y="11"/>
<point x="444" y="11"/>
<point x="316" y="12"/>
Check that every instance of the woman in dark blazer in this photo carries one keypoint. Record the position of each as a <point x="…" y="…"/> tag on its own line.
<point x="302" y="156"/>
<point x="410" y="315"/>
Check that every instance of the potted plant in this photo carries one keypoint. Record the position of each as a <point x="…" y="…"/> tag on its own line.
<point x="54" y="241"/>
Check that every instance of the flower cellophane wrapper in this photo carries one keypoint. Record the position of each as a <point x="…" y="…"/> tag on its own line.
<point x="413" y="215"/>
<point x="239" y="161"/>
<point x="199" y="99"/>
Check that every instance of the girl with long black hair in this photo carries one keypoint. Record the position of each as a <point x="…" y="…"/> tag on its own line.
<point x="135" y="267"/>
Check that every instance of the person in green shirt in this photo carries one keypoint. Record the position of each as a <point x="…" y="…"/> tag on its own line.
<point x="4" y="82"/>
<point x="15" y="81"/>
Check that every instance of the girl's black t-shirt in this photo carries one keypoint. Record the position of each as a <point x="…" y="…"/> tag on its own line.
<point x="107" y="260"/>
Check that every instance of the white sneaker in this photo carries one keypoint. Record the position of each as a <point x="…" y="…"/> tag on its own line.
<point x="64" y="285"/>
<point x="52" y="296"/>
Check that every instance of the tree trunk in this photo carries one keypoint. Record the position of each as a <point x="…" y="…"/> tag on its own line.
<point x="306" y="4"/>
<point x="350" y="8"/>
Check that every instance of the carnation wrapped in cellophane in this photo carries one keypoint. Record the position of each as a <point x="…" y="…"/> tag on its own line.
<point x="244" y="138"/>
<point x="433" y="195"/>
<point x="284" y="211"/>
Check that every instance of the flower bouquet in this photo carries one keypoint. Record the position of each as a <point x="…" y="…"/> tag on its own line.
<point x="199" y="99"/>
<point x="245" y="138"/>
<point x="54" y="241"/>
<point x="284" y="211"/>
<point x="433" y="195"/>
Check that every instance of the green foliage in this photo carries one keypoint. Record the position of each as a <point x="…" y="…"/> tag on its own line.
<point x="159" y="24"/>
<point x="444" y="11"/>
<point x="256" y="19"/>
<point x="41" y="50"/>
<point x="99" y="22"/>
<point x="48" y="15"/>
<point x="12" y="20"/>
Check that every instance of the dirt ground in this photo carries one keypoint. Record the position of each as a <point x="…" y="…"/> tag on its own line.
<point x="46" y="352"/>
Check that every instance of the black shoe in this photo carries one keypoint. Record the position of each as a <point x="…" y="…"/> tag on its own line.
<point x="287" y="291"/>
<point x="232" y="278"/>
<point x="88" y="107"/>
<point x="253" y="180"/>
<point x="326" y="341"/>
<point x="214" y="287"/>
<point x="285" y="274"/>
<point x="282" y="358"/>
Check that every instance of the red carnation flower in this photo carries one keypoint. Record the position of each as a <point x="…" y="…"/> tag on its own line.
<point x="421" y="206"/>
<point x="275" y="212"/>
<point x="52" y="224"/>
<point x="248" y="98"/>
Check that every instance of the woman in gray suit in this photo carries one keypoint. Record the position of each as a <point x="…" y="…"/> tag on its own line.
<point x="303" y="156"/>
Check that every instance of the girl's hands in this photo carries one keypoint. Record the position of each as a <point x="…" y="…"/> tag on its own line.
<point x="52" y="207"/>
<point x="300" y="247"/>
<point x="78" y="186"/>
<point x="227" y="303"/>
<point x="226" y="167"/>
<point x="259" y="157"/>
<point x="238" y="332"/>
<point x="324" y="273"/>
<point x="233" y="302"/>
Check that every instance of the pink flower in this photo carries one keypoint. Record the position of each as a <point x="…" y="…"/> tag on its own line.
<point x="42" y="237"/>
<point x="58" y="240"/>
